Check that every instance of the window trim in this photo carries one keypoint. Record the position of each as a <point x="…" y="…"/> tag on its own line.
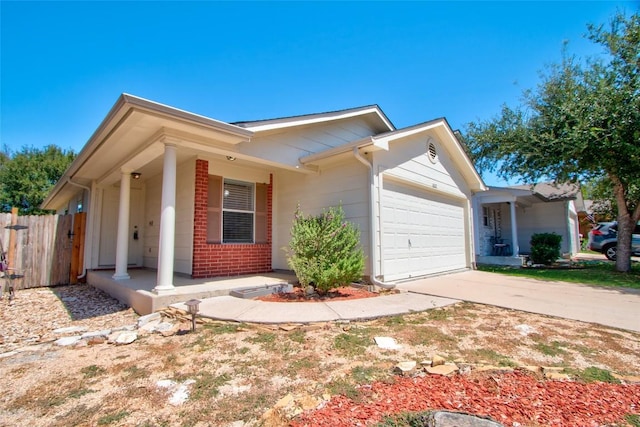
<point x="252" y="186"/>
<point x="261" y="203"/>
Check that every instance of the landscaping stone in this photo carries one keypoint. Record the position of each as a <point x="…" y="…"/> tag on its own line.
<point x="70" y="330"/>
<point x="125" y="337"/>
<point x="406" y="367"/>
<point x="525" y="329"/>
<point x="441" y="369"/>
<point x="556" y="376"/>
<point x="67" y="341"/>
<point x="143" y="320"/>
<point x="94" y="334"/>
<point x="455" y="419"/>
<point x="150" y="326"/>
<point x="437" y="360"/>
<point x="387" y="343"/>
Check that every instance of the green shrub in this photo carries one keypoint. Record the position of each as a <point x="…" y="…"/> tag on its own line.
<point x="325" y="251"/>
<point x="545" y="248"/>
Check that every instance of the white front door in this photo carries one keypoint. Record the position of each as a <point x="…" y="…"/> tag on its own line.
<point x="423" y="232"/>
<point x="109" y="228"/>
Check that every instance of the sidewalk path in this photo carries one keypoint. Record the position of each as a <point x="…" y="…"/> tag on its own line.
<point x="254" y="311"/>
<point x="617" y="307"/>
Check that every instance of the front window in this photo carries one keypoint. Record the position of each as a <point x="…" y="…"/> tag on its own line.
<point x="237" y="212"/>
<point x="485" y="216"/>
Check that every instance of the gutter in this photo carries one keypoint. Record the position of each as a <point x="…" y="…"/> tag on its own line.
<point x="84" y="258"/>
<point x="372" y="218"/>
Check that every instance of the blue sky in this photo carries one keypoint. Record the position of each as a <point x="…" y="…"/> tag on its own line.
<point x="63" y="64"/>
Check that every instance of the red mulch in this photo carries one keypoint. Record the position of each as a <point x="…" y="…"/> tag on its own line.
<point x="298" y="295"/>
<point x="510" y="399"/>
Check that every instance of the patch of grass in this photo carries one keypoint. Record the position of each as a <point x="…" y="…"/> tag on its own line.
<point x="344" y="387"/>
<point x="438" y="314"/>
<point x="79" y="392"/>
<point x="112" y="418"/>
<point x="491" y="356"/>
<point x="78" y="415"/>
<point x="593" y="374"/>
<point x="395" y="321"/>
<point x="432" y="336"/>
<point x="267" y="340"/>
<point x="599" y="273"/>
<point x="92" y="371"/>
<point x="405" y="419"/>
<point x="222" y="328"/>
<point x="135" y="373"/>
<point x="302" y="363"/>
<point x="353" y="342"/>
<point x="633" y="419"/>
<point x="207" y="385"/>
<point x="154" y="423"/>
<point x="365" y="374"/>
<point x="243" y="350"/>
<point x="553" y="349"/>
<point x="297" y="335"/>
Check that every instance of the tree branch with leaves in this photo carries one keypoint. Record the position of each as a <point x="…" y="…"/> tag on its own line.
<point x="582" y="122"/>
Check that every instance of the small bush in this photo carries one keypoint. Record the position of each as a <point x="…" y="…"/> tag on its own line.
<point x="545" y="248"/>
<point x="325" y="250"/>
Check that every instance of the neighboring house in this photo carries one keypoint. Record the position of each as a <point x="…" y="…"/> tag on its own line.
<point x="507" y="217"/>
<point x="174" y="191"/>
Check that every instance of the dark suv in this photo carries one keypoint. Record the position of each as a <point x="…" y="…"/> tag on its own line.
<point x="604" y="239"/>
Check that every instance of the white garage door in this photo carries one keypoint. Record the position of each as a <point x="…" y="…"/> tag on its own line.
<point x="423" y="232"/>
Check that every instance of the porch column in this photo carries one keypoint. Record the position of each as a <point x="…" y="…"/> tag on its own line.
<point x="164" y="283"/>
<point x="122" y="242"/>
<point x="514" y="230"/>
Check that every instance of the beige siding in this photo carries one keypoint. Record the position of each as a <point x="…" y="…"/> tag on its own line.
<point x="538" y="218"/>
<point x="407" y="160"/>
<point x="185" y="188"/>
<point x="287" y="147"/>
<point x="345" y="183"/>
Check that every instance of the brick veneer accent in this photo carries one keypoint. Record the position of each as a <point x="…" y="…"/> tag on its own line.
<point x="215" y="259"/>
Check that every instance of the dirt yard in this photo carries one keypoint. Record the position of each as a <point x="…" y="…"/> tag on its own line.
<point x="229" y="374"/>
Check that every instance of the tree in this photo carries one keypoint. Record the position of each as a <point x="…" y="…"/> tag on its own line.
<point x="26" y="177"/>
<point x="582" y="122"/>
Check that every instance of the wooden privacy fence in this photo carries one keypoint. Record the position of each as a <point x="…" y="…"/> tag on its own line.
<point x="40" y="248"/>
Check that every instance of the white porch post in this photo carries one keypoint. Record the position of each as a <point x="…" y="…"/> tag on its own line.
<point x="514" y="229"/>
<point x="122" y="243"/>
<point x="167" y="223"/>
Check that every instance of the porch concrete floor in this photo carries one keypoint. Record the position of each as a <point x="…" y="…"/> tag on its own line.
<point x="137" y="291"/>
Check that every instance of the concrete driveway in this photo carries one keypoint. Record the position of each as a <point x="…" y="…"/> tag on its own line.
<point x="615" y="307"/>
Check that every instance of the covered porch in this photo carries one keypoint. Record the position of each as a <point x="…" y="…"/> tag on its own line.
<point x="506" y="218"/>
<point x="138" y="290"/>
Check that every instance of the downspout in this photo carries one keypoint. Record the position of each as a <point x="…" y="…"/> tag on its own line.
<point x="372" y="221"/>
<point x="84" y="258"/>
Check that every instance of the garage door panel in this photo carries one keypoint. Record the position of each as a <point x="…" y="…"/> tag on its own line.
<point x="423" y="232"/>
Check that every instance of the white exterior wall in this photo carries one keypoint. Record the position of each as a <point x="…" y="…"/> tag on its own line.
<point x="345" y="183"/>
<point x="431" y="184"/>
<point x="291" y="144"/>
<point x="408" y="161"/>
<point x="185" y="193"/>
<point x="550" y="217"/>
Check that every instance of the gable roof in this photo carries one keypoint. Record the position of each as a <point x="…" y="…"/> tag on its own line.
<point x="551" y="191"/>
<point x="381" y="142"/>
<point x="372" y="113"/>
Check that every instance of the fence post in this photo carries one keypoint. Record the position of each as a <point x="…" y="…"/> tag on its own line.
<point x="11" y="256"/>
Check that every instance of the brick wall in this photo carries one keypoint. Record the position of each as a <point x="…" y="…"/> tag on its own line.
<point x="211" y="260"/>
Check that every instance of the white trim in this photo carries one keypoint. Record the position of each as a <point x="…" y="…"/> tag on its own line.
<point x="287" y="122"/>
